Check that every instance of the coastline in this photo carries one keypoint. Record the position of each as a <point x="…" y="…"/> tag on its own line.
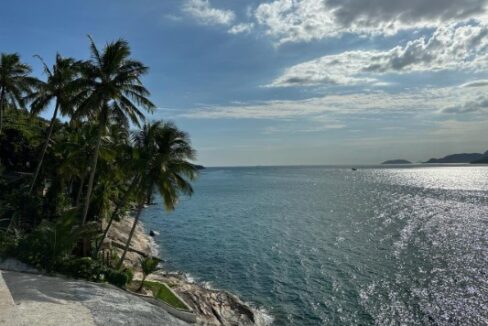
<point x="212" y="306"/>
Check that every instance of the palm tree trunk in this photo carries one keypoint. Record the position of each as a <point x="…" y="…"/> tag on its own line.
<point x="142" y="283"/>
<point x="80" y="190"/>
<point x="114" y="214"/>
<point x="93" y="167"/>
<point x="93" y="170"/>
<point x="2" y="99"/>
<point x="136" y="220"/>
<point x="44" y="149"/>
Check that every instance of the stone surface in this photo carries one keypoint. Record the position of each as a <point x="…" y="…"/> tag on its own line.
<point x="7" y="306"/>
<point x="213" y="307"/>
<point x="42" y="300"/>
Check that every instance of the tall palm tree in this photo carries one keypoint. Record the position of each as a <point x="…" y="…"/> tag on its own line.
<point x="15" y="83"/>
<point x="61" y="87"/>
<point x="163" y="164"/>
<point x="113" y="88"/>
<point x="125" y="164"/>
<point x="73" y="152"/>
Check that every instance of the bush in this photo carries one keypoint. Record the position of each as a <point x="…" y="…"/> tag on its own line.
<point x="49" y="244"/>
<point x="130" y="274"/>
<point x="22" y="210"/>
<point x="9" y="241"/>
<point x="84" y="267"/>
<point x="117" y="278"/>
<point x="92" y="270"/>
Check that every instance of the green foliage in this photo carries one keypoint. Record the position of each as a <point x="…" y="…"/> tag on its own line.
<point x="9" y="241"/>
<point x="46" y="169"/>
<point x="16" y="83"/>
<point x="84" y="267"/>
<point x="19" y="208"/>
<point x="149" y="265"/>
<point x="163" y="155"/>
<point x="50" y="243"/>
<point x="92" y="270"/>
<point x="20" y="139"/>
<point x="117" y="278"/>
<point x="130" y="274"/>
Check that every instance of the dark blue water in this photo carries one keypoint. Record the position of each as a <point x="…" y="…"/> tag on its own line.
<point x="332" y="246"/>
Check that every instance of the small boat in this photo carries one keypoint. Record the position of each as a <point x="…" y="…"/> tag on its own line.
<point x="354" y="169"/>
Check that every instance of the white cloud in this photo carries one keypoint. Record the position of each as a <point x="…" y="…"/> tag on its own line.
<point x="306" y="20"/>
<point x="241" y="28"/>
<point x="315" y="124"/>
<point x="414" y="101"/>
<point x="340" y="69"/>
<point x="206" y="14"/>
<point x="476" y="83"/>
<point x="451" y="47"/>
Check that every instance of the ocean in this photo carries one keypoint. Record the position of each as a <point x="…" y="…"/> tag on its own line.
<point x="403" y="245"/>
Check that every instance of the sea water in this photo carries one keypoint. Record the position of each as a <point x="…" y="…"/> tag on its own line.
<point x="333" y="246"/>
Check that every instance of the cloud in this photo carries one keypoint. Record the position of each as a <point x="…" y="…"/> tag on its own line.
<point x="241" y="28"/>
<point x="451" y="47"/>
<point x="341" y="69"/>
<point x="388" y="13"/>
<point x="306" y="20"/>
<point x="206" y="14"/>
<point x="313" y="125"/>
<point x="477" y="106"/>
<point x="476" y="83"/>
<point x="431" y="101"/>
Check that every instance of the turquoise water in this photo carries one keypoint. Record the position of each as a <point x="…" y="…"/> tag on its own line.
<point x="332" y="246"/>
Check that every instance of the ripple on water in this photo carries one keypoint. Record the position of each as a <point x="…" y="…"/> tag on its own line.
<point x="327" y="246"/>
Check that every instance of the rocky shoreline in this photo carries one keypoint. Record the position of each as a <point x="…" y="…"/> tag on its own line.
<point x="213" y="307"/>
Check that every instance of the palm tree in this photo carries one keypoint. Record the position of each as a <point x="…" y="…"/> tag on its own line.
<point x="61" y="87"/>
<point x="149" y="265"/>
<point x="15" y="83"/>
<point x="113" y="88"/>
<point x="73" y="153"/>
<point x="163" y="164"/>
<point x="125" y="166"/>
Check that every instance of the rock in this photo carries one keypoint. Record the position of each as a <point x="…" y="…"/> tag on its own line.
<point x="140" y="241"/>
<point x="213" y="307"/>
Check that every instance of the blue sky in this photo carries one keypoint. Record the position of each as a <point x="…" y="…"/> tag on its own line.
<point x="289" y="81"/>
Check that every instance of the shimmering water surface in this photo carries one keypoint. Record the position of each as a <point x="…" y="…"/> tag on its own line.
<point x="332" y="246"/>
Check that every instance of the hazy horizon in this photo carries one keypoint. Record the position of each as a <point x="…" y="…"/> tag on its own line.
<point x="281" y="82"/>
<point x="345" y="165"/>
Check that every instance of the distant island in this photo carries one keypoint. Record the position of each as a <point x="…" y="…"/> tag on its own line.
<point x="473" y="158"/>
<point x="460" y="158"/>
<point x="397" y="161"/>
<point x="482" y="160"/>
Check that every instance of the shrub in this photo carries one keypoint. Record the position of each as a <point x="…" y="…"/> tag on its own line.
<point x="49" y="244"/>
<point x="130" y="274"/>
<point x="84" y="267"/>
<point x="19" y="208"/>
<point x="117" y="278"/>
<point x="9" y="240"/>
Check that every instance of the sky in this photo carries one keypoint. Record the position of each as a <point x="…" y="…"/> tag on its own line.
<point x="289" y="82"/>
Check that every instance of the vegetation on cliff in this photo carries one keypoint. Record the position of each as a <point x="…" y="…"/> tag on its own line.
<point x="61" y="180"/>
